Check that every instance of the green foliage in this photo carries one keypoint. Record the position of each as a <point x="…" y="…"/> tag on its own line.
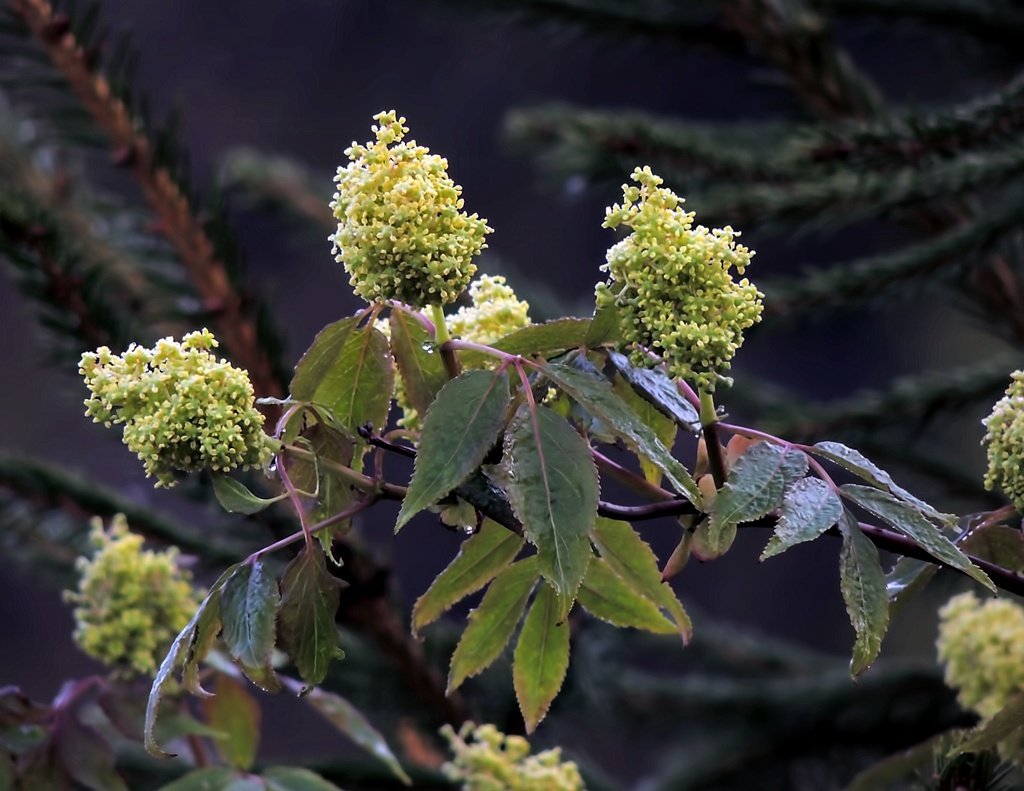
<point x="863" y="585"/>
<point x="309" y="601"/>
<point x="459" y="429"/>
<point x="541" y="656"/>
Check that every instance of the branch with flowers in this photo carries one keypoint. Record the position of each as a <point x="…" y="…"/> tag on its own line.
<point x="514" y="427"/>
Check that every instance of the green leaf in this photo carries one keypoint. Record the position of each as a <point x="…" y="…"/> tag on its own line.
<point x="423" y="373"/>
<point x="632" y="559"/>
<point x="900" y="766"/>
<point x="906" y="576"/>
<point x="85" y="755"/>
<point x="595" y="394"/>
<point x="309" y="601"/>
<point x="755" y="487"/>
<point x="999" y="544"/>
<point x="605" y="595"/>
<point x="248" y="608"/>
<point x="862" y="467"/>
<point x="334" y="492"/>
<point x="909" y="521"/>
<point x="809" y="508"/>
<point x="1003" y="724"/>
<point x="553" y="488"/>
<point x="207" y="629"/>
<point x="460" y="427"/>
<point x="656" y="387"/>
<point x="552" y="336"/>
<point x="235" y="498"/>
<point x="235" y="714"/>
<point x="664" y="428"/>
<point x="210" y="778"/>
<point x="347" y="719"/>
<point x="604" y="326"/>
<point x="348" y="370"/>
<point x="863" y="586"/>
<point x="288" y="778"/>
<point x="492" y="623"/>
<point x="182" y="647"/>
<point x="480" y="559"/>
<point x="541" y="657"/>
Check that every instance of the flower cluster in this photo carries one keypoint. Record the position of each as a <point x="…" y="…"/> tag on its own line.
<point x="672" y="284"/>
<point x="182" y="408"/>
<point x="496" y="312"/>
<point x="402" y="234"/>
<point x="1005" y="439"/>
<point x="130" y="602"/>
<point x="493" y="761"/>
<point x="982" y="646"/>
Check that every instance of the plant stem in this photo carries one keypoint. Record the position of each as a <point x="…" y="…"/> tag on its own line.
<point x="709" y="423"/>
<point x="441" y="337"/>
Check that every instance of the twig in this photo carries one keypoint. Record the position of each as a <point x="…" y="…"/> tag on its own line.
<point x="177" y="220"/>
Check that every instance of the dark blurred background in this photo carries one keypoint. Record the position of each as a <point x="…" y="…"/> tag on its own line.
<point x="303" y="79"/>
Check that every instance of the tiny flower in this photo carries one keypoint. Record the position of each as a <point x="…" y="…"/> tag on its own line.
<point x="402" y="234"/>
<point x="1005" y="440"/>
<point x="496" y="312"/>
<point x="130" y="602"/>
<point x="982" y="646"/>
<point x="485" y="759"/>
<point x="182" y="408"/>
<point x="673" y="285"/>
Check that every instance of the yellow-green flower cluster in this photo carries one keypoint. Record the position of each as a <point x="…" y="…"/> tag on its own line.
<point x="1005" y="439"/>
<point x="487" y="760"/>
<point x="673" y="285"/>
<point x="182" y="408"/>
<point x="131" y="602"/>
<point x="496" y="312"/>
<point x="402" y="234"/>
<point x="982" y="646"/>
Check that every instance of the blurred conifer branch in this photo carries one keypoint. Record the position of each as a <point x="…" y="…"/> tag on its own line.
<point x="160" y="166"/>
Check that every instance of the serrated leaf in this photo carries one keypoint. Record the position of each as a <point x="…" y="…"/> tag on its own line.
<point x="906" y="576"/>
<point x="423" y="372"/>
<point x="552" y="336"/>
<point x="492" y="623"/>
<point x="235" y="498"/>
<point x="706" y="546"/>
<point x="348" y="370"/>
<point x="236" y="715"/>
<point x="595" y="394"/>
<point x="913" y="524"/>
<point x="605" y="595"/>
<point x="347" y="719"/>
<point x="863" y="587"/>
<point x="553" y="488"/>
<point x="632" y="559"/>
<point x="541" y="657"/>
<point x="755" y="488"/>
<point x="248" y="608"/>
<point x="664" y="428"/>
<point x="1003" y="723"/>
<point x="461" y="425"/>
<point x="288" y="778"/>
<point x="178" y="650"/>
<point x="855" y="461"/>
<point x="210" y="778"/>
<point x="809" y="508"/>
<point x="656" y="387"/>
<point x="309" y="601"/>
<point x="480" y="559"/>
